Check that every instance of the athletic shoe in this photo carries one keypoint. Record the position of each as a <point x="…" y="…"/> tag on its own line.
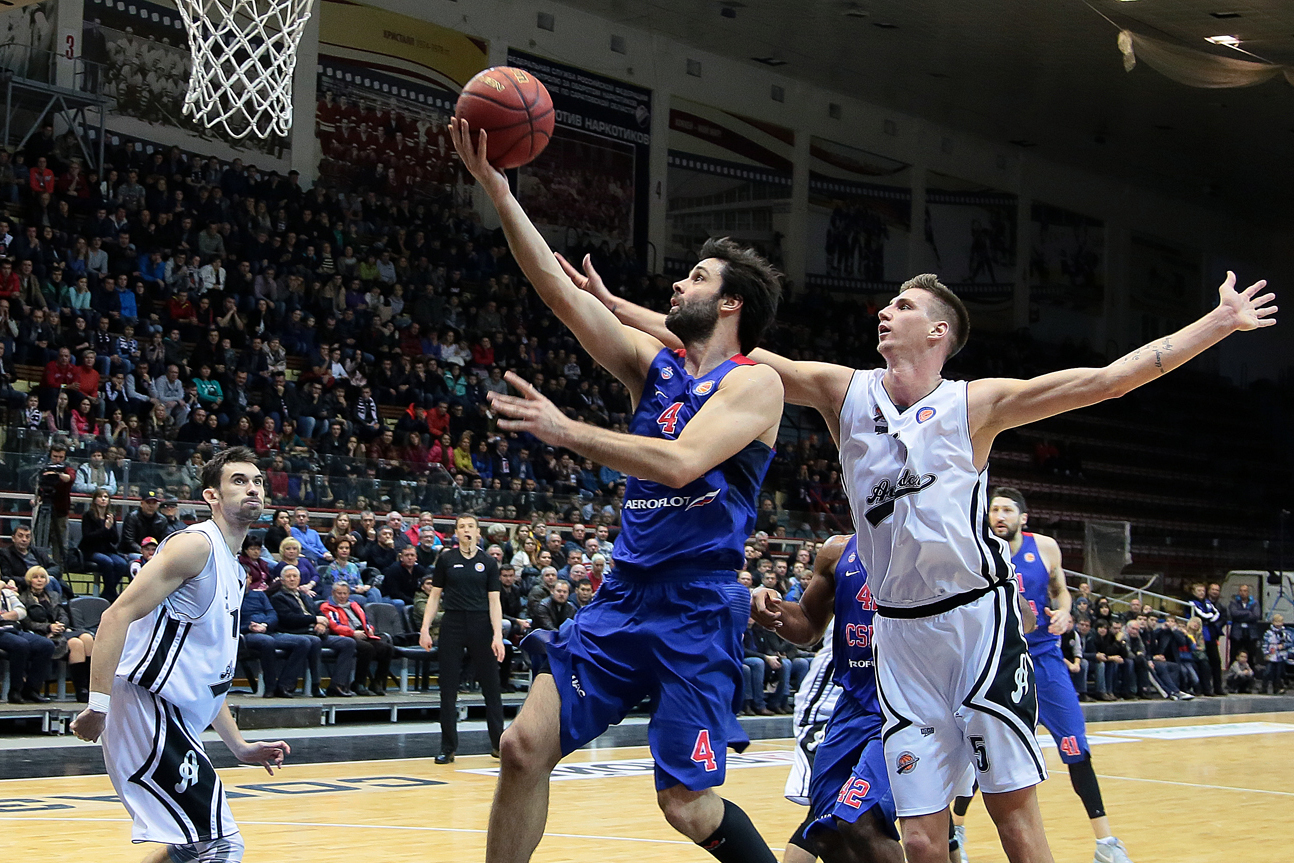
<point x="1115" y="853"/>
<point x="960" y="833"/>
<point x="1185" y="696"/>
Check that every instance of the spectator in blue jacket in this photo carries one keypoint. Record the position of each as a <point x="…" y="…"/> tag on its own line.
<point x="1245" y="619"/>
<point x="261" y="635"/>
<point x="1211" y="626"/>
<point x="312" y="547"/>
<point x="1278" y="650"/>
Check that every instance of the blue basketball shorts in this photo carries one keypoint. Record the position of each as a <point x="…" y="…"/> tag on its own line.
<point x="676" y="644"/>
<point x="1058" y="706"/>
<point x="849" y="772"/>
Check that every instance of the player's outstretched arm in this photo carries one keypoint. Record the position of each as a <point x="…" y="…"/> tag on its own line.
<point x="625" y="352"/>
<point x="997" y="404"/>
<point x="746" y="406"/>
<point x="181" y="558"/>
<point x="268" y="754"/>
<point x="804" y="622"/>
<point x="821" y="386"/>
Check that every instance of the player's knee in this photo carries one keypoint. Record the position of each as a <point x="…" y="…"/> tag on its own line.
<point x="686" y="811"/>
<point x="522" y="750"/>
<point x="919" y="845"/>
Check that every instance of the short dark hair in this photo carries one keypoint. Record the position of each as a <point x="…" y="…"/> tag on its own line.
<point x="749" y="276"/>
<point x="1012" y="494"/>
<point x="214" y="469"/>
<point x="953" y="307"/>
<point x="584" y="581"/>
<point x="466" y="515"/>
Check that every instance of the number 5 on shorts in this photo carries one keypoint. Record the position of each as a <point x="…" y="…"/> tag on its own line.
<point x="703" y="753"/>
<point x="981" y="754"/>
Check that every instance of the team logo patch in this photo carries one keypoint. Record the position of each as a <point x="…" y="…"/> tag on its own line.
<point x="1029" y="557"/>
<point x="928" y="731"/>
<point x="704" y="389"/>
<point x="480" y="567"/>
<point x="666" y="373"/>
<point x="925" y="414"/>
<point x="906" y="763"/>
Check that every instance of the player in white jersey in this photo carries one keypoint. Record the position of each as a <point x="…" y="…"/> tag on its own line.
<point x="164" y="659"/>
<point x="955" y="677"/>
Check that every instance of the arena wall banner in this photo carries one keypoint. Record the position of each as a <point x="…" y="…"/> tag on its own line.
<point x="590" y="186"/>
<point x="138" y="54"/>
<point x="728" y="175"/>
<point x="971" y="235"/>
<point x="386" y="88"/>
<point x="1066" y="260"/>
<point x="27" y="41"/>
<point x="860" y="216"/>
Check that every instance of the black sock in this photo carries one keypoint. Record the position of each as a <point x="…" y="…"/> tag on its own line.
<point x="1083" y="778"/>
<point x="961" y="804"/>
<point x="952" y="835"/>
<point x="736" y="840"/>
<point x="799" y="840"/>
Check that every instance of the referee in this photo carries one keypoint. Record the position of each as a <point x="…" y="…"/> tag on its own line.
<point x="468" y="579"/>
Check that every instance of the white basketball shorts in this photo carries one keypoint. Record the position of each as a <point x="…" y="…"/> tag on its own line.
<point x="161" y="771"/>
<point x="957" y="688"/>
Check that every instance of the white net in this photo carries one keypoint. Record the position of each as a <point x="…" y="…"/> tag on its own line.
<point x="244" y="53"/>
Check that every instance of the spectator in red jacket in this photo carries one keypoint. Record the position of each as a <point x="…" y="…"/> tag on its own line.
<point x="40" y="177"/>
<point x="346" y="618"/>
<point x="10" y="285"/>
<point x="59" y="373"/>
<point x="85" y="377"/>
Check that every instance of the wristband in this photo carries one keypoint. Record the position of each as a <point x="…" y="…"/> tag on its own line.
<point x="99" y="702"/>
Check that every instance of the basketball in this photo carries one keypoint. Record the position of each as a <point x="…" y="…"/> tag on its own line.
<point x="514" y="109"/>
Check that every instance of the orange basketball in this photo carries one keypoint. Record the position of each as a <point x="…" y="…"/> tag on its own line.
<point x="514" y="109"/>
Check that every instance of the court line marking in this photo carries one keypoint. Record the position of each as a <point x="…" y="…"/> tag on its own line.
<point x="377" y="827"/>
<point x="1189" y="784"/>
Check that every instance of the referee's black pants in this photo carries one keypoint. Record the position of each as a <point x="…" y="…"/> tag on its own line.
<point x="470" y="629"/>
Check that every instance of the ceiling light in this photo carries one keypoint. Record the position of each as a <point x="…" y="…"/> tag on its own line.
<point x="885" y="25"/>
<point x="1229" y="41"/>
<point x="1225" y="15"/>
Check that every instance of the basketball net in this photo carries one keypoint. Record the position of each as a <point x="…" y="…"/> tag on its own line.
<point x="244" y="53"/>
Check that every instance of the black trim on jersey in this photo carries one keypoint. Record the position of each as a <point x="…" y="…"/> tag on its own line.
<point x="823" y="683"/>
<point x="152" y="640"/>
<point x="930" y="609"/>
<point x="1003" y="569"/>
<point x="175" y="655"/>
<point x="150" y="765"/>
<point x="995" y="695"/>
<point x="974" y="510"/>
<point x="158" y="660"/>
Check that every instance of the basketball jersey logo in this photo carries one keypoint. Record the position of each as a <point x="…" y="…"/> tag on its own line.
<point x="884" y="494"/>
<point x="1021" y="679"/>
<point x="188" y="772"/>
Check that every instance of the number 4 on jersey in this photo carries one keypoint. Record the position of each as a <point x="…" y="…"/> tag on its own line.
<point x="668" y="420"/>
<point x="703" y="753"/>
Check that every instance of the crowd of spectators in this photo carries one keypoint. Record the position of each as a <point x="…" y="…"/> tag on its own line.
<point x="1144" y="653"/>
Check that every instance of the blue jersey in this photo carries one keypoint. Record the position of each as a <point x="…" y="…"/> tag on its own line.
<point x="673" y="534"/>
<point x="852" y="641"/>
<point x="1035" y="584"/>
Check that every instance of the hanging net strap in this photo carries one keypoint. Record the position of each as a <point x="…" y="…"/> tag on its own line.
<point x="244" y="54"/>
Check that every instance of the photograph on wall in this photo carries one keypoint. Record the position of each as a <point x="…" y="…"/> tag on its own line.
<point x="860" y="217"/>
<point x="729" y="176"/>
<point x="386" y="89"/>
<point x="589" y="189"/>
<point x="27" y="41"/>
<point x="970" y="233"/>
<point x="1066" y="259"/>
<point x="1165" y="287"/>
<point x="138" y="55"/>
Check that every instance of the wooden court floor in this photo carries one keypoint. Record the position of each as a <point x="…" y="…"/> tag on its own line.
<point x="1179" y="790"/>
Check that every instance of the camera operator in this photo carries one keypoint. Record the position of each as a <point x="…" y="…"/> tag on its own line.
<point x="54" y="487"/>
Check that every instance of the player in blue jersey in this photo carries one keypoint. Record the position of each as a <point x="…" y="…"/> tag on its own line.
<point x="1037" y="563"/>
<point x="851" y="808"/>
<point x="668" y="624"/>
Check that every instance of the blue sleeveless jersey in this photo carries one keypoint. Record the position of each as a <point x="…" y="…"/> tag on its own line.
<point x="852" y="641"/>
<point x="1034" y="584"/>
<point x="672" y="534"/>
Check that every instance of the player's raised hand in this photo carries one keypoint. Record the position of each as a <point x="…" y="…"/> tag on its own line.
<point x="265" y="753"/>
<point x="530" y="412"/>
<point x="490" y="177"/>
<point x="1247" y="309"/>
<point x="589" y="280"/>
<point x="88" y="725"/>
<point x="766" y="607"/>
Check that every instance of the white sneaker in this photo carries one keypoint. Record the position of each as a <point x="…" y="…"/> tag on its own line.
<point x="1186" y="696"/>
<point x="1115" y="853"/>
<point x="960" y="832"/>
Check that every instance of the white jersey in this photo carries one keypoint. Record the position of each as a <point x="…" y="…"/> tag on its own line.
<point x="920" y="507"/>
<point x="814" y="702"/>
<point x="186" y="649"/>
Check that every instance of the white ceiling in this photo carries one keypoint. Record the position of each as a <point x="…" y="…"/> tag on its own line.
<point x="1041" y="71"/>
